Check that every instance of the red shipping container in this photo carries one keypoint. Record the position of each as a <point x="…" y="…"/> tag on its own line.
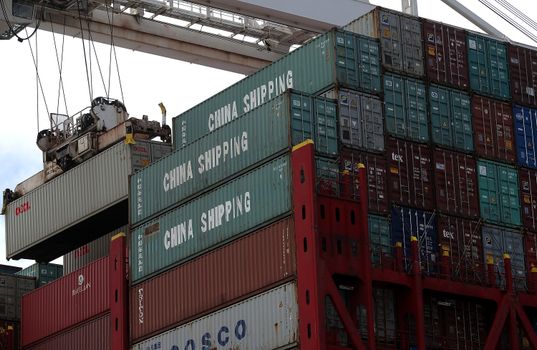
<point x="91" y="335"/>
<point x="528" y="197"/>
<point x="213" y="280"/>
<point x="462" y="238"/>
<point x="493" y="129"/>
<point x="523" y="74"/>
<point x="456" y="183"/>
<point x="445" y="53"/>
<point x="530" y="249"/>
<point x="410" y="181"/>
<point x="376" y="177"/>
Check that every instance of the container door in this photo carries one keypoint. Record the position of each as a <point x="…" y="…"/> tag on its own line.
<point x="412" y="46"/>
<point x="394" y="105"/>
<point x="368" y="64"/>
<point x="325" y="126"/>
<point x="390" y="40"/>
<point x="509" y="198"/>
<point x="346" y="64"/>
<point x="416" y="103"/>
<point x="488" y="191"/>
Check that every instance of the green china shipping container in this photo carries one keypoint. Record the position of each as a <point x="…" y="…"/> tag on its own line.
<point x="337" y="57"/>
<point x="231" y="210"/>
<point x="498" y="193"/>
<point x="487" y="59"/>
<point x="451" y="118"/>
<point x="232" y="149"/>
<point x="405" y="108"/>
<point x="44" y="273"/>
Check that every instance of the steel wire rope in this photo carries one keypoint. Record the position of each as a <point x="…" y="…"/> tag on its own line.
<point x="38" y="80"/>
<point x="96" y="58"/>
<point x="509" y="20"/>
<point x="111" y="24"/>
<point x="61" y="89"/>
<point x="521" y="15"/>
<point x="84" y="49"/>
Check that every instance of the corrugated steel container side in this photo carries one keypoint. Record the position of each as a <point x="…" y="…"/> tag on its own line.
<point x="498" y="193"/>
<point x="213" y="280"/>
<point x="361" y="124"/>
<point x="266" y="321"/>
<point x="221" y="154"/>
<point x="385" y="316"/>
<point x="326" y="132"/>
<point x="72" y="197"/>
<point x="445" y="54"/>
<point x="523" y="74"/>
<point x="400" y="39"/>
<point x="530" y="249"/>
<point x="376" y="177"/>
<point x="407" y="222"/>
<point x="405" y="108"/>
<point x="212" y="219"/>
<point x="410" y="177"/>
<point x="90" y="252"/>
<point x="528" y="197"/>
<point x="66" y="302"/>
<point x="91" y="335"/>
<point x="451" y="118"/>
<point x="12" y="288"/>
<point x="455" y="323"/>
<point x="380" y="240"/>
<point x="462" y="239"/>
<point x="499" y="240"/>
<point x="337" y="57"/>
<point x="456" y="183"/>
<point x="493" y="129"/>
<point x="526" y="135"/>
<point x="488" y="71"/>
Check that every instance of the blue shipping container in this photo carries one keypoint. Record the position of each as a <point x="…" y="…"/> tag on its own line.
<point x="526" y="135"/>
<point x="407" y="222"/>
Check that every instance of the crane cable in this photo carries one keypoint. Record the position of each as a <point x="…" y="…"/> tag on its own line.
<point x="84" y="49"/>
<point x="521" y="15"/>
<point x="38" y="78"/>
<point x="509" y="20"/>
<point x="61" y="89"/>
<point x="113" y="47"/>
<point x="97" y="59"/>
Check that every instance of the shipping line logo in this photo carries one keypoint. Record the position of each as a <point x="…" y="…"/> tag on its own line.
<point x="83" y="285"/>
<point x="22" y="209"/>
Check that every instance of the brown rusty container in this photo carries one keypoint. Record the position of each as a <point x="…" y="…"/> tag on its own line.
<point x="214" y="280"/>
<point x="376" y="177"/>
<point x="445" y="54"/>
<point x="493" y="129"/>
<point x="410" y="178"/>
<point x="530" y="249"/>
<point x="461" y="240"/>
<point x="523" y="74"/>
<point x="456" y="183"/>
<point x="528" y="197"/>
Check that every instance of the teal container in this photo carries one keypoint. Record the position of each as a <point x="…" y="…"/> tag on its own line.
<point x="256" y="137"/>
<point x="488" y="69"/>
<point x="44" y="273"/>
<point x="239" y="206"/>
<point x="335" y="58"/>
<point x="405" y="108"/>
<point x="451" y="118"/>
<point x="498" y="193"/>
<point x="379" y="239"/>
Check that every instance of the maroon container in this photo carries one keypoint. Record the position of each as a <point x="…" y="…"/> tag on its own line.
<point x="214" y="280"/>
<point x="91" y="335"/>
<point x="376" y="177"/>
<point x="453" y="323"/>
<point x="493" y="129"/>
<point x="456" y="183"/>
<point x="462" y="239"/>
<point x="445" y="53"/>
<point x="528" y="197"/>
<point x="410" y="180"/>
<point x="530" y="249"/>
<point x="69" y="300"/>
<point x="523" y="74"/>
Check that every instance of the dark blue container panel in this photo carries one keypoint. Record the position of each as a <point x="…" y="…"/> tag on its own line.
<point x="526" y="135"/>
<point x="407" y="222"/>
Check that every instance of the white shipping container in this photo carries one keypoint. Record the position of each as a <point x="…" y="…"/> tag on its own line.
<point x="66" y="211"/>
<point x="263" y="322"/>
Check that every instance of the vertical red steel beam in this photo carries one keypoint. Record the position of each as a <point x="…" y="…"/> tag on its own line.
<point x="10" y="334"/>
<point x="118" y="290"/>
<point x="526" y="325"/>
<point x="532" y="280"/>
<point x="513" y="328"/>
<point x="418" y="293"/>
<point x="491" y="275"/>
<point x="399" y="257"/>
<point x="365" y="253"/>
<point x="508" y="274"/>
<point x="497" y="325"/>
<point x="310" y="300"/>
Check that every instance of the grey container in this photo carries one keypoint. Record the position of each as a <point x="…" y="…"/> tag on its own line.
<point x="207" y="221"/>
<point x="264" y="321"/>
<point x="400" y="37"/>
<point x="361" y="123"/>
<point x="12" y="288"/>
<point x="43" y="272"/>
<point x="499" y="240"/>
<point x="335" y="58"/>
<point x="90" y="252"/>
<point x="78" y="206"/>
<point x="255" y="137"/>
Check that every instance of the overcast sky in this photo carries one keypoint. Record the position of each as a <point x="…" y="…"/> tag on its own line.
<point x="146" y="80"/>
